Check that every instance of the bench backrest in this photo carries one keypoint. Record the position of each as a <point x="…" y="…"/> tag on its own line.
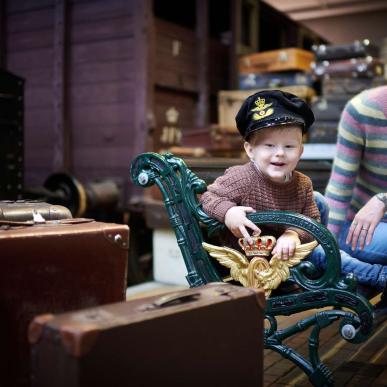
<point x="180" y="188"/>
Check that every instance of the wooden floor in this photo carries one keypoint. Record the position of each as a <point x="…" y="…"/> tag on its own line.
<point x="360" y="365"/>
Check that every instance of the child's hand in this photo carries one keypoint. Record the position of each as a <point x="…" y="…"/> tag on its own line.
<point x="286" y="244"/>
<point x="236" y="221"/>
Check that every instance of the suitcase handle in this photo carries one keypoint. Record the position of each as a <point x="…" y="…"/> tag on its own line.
<point x="170" y="300"/>
<point x="175" y="299"/>
<point x="179" y="298"/>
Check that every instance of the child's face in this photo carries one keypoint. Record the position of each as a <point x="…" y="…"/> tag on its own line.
<point x="276" y="151"/>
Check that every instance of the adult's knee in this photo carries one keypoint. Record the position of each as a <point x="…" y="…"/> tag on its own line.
<point x="322" y="206"/>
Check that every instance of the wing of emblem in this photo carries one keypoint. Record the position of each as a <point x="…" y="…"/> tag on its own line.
<point x="233" y="259"/>
<point x="280" y="270"/>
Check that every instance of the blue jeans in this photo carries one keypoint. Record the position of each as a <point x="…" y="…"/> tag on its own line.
<point x="375" y="252"/>
<point x="368" y="274"/>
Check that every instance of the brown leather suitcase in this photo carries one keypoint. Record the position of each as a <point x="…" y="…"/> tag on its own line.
<point x="230" y="101"/>
<point x="356" y="68"/>
<point x="287" y="59"/>
<point x="357" y="49"/>
<point x="54" y="267"/>
<point x="349" y="87"/>
<point x="206" y="336"/>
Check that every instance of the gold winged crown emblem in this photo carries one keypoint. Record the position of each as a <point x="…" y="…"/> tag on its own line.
<point x="262" y="109"/>
<point x="258" y="272"/>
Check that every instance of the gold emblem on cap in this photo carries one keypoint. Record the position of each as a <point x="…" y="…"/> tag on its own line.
<point x="262" y="109"/>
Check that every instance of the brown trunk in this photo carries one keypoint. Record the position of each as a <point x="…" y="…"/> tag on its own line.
<point x="207" y="336"/>
<point x="52" y="268"/>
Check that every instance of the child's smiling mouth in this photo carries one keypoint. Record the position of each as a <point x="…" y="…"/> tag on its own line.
<point x="278" y="164"/>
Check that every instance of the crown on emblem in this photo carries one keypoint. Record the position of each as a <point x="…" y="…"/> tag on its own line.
<point x="261" y="103"/>
<point x="262" y="245"/>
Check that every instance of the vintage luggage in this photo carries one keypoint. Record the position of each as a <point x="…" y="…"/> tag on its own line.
<point x="206" y="336"/>
<point x="24" y="210"/>
<point x="323" y="132"/>
<point x="328" y="108"/>
<point x="51" y="268"/>
<point x="357" y="68"/>
<point x="215" y="140"/>
<point x="349" y="86"/>
<point x="287" y="59"/>
<point x="357" y="49"/>
<point x="272" y="80"/>
<point x="188" y="151"/>
<point x="230" y="101"/>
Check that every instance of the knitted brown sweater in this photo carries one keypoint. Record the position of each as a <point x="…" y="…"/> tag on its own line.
<point x="245" y="185"/>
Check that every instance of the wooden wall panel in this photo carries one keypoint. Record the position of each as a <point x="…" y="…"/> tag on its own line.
<point x="175" y="56"/>
<point x="101" y="93"/>
<point x="113" y="71"/>
<point x="21" y="60"/>
<point x="42" y="76"/>
<point x="29" y="40"/>
<point x="91" y="31"/>
<point x="27" y="5"/>
<point x="185" y="104"/>
<point x="105" y="86"/>
<point x="218" y="66"/>
<point x="169" y="132"/>
<point x="38" y="97"/>
<point x="34" y="19"/>
<point x="100" y="116"/>
<point x="101" y="51"/>
<point x="107" y="135"/>
<point x="86" y="70"/>
<point x="87" y="11"/>
<point x="29" y="54"/>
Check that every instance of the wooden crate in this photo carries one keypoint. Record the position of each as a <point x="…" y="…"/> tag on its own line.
<point x="230" y="101"/>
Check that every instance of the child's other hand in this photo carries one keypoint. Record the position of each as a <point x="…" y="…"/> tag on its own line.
<point x="236" y="221"/>
<point x="286" y="244"/>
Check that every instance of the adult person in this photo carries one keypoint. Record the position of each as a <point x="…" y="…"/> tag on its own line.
<point x="356" y="191"/>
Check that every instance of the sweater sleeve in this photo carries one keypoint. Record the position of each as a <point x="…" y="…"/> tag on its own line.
<point x="310" y="210"/>
<point x="227" y="191"/>
<point x="349" y="149"/>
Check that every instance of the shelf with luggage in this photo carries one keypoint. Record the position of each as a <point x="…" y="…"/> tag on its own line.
<point x="327" y="77"/>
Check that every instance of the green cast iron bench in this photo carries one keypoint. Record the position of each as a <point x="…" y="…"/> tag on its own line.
<point x="180" y="187"/>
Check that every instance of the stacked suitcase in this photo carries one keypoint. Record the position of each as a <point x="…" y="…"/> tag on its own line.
<point x="344" y="71"/>
<point x="52" y="263"/>
<point x="276" y="69"/>
<point x="285" y="69"/>
<point x="206" y="336"/>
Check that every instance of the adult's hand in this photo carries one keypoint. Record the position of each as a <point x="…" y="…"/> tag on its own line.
<point x="364" y="224"/>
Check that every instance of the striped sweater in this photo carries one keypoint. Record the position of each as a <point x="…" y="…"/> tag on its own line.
<point x="360" y="165"/>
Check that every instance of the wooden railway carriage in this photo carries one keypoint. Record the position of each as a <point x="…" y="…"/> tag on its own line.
<point x="106" y="80"/>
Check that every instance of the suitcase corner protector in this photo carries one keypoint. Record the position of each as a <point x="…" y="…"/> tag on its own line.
<point x="36" y="327"/>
